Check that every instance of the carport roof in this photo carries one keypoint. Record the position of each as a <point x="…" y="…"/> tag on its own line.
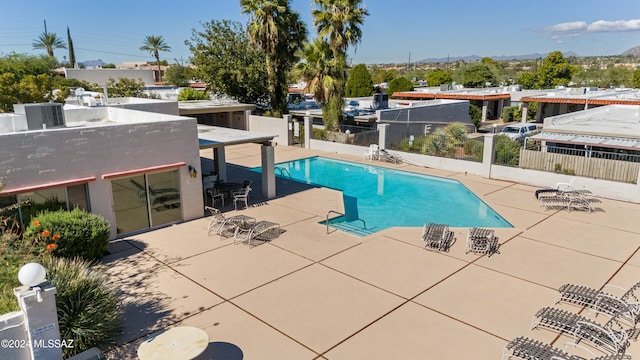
<point x="215" y="136"/>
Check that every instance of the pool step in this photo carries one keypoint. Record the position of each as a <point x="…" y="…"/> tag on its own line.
<point x="352" y="228"/>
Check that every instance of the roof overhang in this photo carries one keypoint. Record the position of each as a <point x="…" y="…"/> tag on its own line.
<point x="590" y="140"/>
<point x="216" y="137"/>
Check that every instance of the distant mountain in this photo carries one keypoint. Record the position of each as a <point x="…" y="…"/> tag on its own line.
<point x="472" y="58"/>
<point x="634" y="51"/>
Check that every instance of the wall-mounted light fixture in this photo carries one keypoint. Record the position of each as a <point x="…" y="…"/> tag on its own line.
<point x="193" y="172"/>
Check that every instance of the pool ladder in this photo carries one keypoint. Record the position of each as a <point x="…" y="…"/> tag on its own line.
<point x="282" y="172"/>
<point x="364" y="224"/>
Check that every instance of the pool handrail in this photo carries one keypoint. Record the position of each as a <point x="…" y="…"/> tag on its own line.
<point x="283" y="171"/>
<point x="364" y="224"/>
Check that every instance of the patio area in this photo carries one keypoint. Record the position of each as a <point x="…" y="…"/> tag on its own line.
<point x="312" y="295"/>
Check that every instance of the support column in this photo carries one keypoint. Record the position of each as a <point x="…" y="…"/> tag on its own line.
<point x="539" y="112"/>
<point x="525" y="109"/>
<point x="288" y="118"/>
<point x="268" y="171"/>
<point x="382" y="135"/>
<point x="41" y="320"/>
<point x="487" y="154"/>
<point x="247" y="120"/>
<point x="220" y="163"/>
<point x="500" y="107"/>
<point x="230" y="120"/>
<point x="485" y="108"/>
<point x="308" y="130"/>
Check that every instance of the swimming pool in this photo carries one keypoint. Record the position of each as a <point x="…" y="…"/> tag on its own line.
<point x="386" y="197"/>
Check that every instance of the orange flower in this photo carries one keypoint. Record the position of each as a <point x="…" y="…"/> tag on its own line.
<point x="56" y="237"/>
<point x="46" y="233"/>
<point x="35" y="223"/>
<point x="51" y="246"/>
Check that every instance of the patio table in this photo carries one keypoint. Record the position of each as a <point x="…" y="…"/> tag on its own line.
<point x="182" y="342"/>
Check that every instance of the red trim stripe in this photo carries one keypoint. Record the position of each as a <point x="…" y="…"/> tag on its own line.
<point x="142" y="170"/>
<point x="48" y="186"/>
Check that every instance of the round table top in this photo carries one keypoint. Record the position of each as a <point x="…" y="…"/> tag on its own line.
<point x="182" y="342"/>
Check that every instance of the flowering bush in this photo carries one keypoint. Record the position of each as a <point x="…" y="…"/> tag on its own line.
<point x="71" y="233"/>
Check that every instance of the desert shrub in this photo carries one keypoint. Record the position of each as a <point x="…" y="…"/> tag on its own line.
<point x="88" y="307"/>
<point x="474" y="149"/>
<point x="438" y="144"/>
<point x="456" y="131"/>
<point x="78" y="233"/>
<point x="508" y="113"/>
<point x="507" y="151"/>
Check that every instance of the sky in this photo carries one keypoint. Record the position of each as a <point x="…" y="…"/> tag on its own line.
<point x="395" y="31"/>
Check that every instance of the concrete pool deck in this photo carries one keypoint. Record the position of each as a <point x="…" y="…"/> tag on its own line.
<point x="312" y="295"/>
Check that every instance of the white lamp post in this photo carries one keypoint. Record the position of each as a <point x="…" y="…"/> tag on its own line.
<point x="31" y="275"/>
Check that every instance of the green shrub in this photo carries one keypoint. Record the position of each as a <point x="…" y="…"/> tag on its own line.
<point x="78" y="233"/>
<point x="557" y="168"/>
<point x="15" y="252"/>
<point x="438" y="144"/>
<point x="456" y="131"/>
<point x="507" y="151"/>
<point x="88" y="307"/>
<point x="192" y="94"/>
<point x="476" y="116"/>
<point x="474" y="149"/>
<point x="508" y="113"/>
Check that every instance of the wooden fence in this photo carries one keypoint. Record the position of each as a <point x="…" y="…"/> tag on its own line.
<point x="615" y="170"/>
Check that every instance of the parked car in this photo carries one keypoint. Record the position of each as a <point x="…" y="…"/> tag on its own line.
<point x="519" y="131"/>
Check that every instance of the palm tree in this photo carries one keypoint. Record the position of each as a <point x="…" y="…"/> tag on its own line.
<point x="279" y="33"/>
<point x="154" y="44"/>
<point x="49" y="41"/>
<point x="316" y="69"/>
<point x="339" y="22"/>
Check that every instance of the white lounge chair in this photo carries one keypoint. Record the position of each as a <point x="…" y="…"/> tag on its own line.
<point x="436" y="237"/>
<point x="262" y="230"/>
<point x="221" y="225"/>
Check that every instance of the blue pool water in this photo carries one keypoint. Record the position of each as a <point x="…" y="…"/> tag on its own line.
<point x="386" y="197"/>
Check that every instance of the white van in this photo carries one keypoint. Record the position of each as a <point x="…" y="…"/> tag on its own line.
<point x="519" y="131"/>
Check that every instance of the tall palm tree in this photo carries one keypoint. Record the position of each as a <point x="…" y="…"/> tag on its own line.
<point x="154" y="44"/>
<point x="316" y="68"/>
<point x="49" y="41"/>
<point x="338" y="21"/>
<point x="279" y="33"/>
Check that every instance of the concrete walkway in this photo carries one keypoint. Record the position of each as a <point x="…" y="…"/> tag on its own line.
<point x="312" y="295"/>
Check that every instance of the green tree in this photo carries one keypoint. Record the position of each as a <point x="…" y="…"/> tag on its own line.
<point x="72" y="53"/>
<point x="49" y="41"/>
<point x="154" y="44"/>
<point x="384" y="76"/>
<point x="438" y="77"/>
<point x="226" y="61"/>
<point x="476" y="116"/>
<point x="125" y="88"/>
<point x="618" y="76"/>
<point x="109" y="66"/>
<point x="316" y="69"/>
<point x="399" y="84"/>
<point x="457" y="131"/>
<point x="21" y="65"/>
<point x="507" y="151"/>
<point x="476" y="75"/>
<point x="338" y="21"/>
<point x="360" y="82"/>
<point x="192" y="94"/>
<point x="528" y="80"/>
<point x="178" y="75"/>
<point x="279" y="33"/>
<point x="635" y="82"/>
<point x="554" y="71"/>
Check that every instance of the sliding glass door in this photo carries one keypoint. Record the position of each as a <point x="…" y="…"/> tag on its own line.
<point x="147" y="200"/>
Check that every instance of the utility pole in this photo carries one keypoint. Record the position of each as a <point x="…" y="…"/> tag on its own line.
<point x="409" y="64"/>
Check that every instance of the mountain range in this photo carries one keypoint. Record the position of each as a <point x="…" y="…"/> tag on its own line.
<point x="635" y="51"/>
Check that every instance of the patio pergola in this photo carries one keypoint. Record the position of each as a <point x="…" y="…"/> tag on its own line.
<point x="216" y="138"/>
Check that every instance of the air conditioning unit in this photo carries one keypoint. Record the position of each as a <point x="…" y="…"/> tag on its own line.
<point x="42" y="115"/>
